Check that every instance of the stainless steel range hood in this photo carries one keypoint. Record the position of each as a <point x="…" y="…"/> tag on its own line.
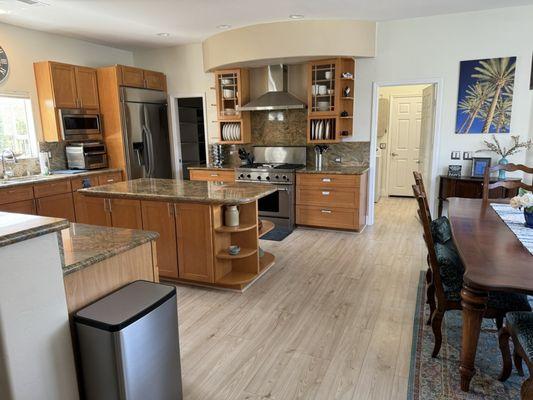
<point x="277" y="97"/>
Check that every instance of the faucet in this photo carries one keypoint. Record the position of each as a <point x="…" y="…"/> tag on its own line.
<point x="8" y="155"/>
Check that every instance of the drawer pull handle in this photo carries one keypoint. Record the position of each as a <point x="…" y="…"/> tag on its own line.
<point x="325" y="193"/>
<point x="111" y="180"/>
<point x="214" y="174"/>
<point x="325" y="211"/>
<point x="326" y="179"/>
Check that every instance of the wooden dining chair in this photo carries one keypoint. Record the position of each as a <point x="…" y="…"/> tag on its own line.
<point x="419" y="181"/>
<point x="506" y="183"/>
<point x="518" y="327"/>
<point x="447" y="278"/>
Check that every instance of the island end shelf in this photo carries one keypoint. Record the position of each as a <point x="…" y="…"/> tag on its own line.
<point x="189" y="217"/>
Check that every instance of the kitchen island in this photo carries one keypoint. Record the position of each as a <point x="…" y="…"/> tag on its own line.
<point x="189" y="217"/>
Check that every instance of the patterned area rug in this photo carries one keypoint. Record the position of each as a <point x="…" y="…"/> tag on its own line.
<point x="438" y="378"/>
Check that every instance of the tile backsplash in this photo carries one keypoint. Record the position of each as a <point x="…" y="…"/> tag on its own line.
<point x="30" y="166"/>
<point x="288" y="128"/>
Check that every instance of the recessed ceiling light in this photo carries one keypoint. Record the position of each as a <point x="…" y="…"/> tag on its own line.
<point x="296" y="16"/>
<point x="163" y="34"/>
<point x="224" y="26"/>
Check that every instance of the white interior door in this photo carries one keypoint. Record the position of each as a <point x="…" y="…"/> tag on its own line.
<point x="405" y="121"/>
<point x="427" y="133"/>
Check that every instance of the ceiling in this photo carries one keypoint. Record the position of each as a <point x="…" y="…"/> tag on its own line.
<point x="135" y="23"/>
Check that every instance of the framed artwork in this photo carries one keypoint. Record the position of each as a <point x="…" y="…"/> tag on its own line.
<point x="454" y="171"/>
<point x="485" y="98"/>
<point x="479" y="165"/>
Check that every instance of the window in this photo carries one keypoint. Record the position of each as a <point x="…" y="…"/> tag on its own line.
<point x="17" y="131"/>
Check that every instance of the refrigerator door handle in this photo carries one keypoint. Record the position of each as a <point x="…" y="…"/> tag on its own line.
<point x="149" y="144"/>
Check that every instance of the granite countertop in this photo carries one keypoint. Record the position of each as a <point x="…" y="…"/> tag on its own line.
<point x="177" y="190"/>
<point x="19" y="227"/>
<point x="347" y="170"/>
<point x="207" y="166"/>
<point x="35" y="179"/>
<point x="84" y="245"/>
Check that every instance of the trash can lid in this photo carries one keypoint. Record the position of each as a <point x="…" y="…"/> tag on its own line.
<point x="125" y="305"/>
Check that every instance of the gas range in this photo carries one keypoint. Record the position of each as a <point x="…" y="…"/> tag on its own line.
<point x="280" y="173"/>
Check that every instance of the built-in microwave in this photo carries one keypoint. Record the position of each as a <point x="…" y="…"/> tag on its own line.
<point x="79" y="125"/>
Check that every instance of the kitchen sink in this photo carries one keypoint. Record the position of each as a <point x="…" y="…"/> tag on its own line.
<point x="29" y="178"/>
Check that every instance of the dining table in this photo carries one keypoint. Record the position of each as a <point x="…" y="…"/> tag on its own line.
<point x="494" y="260"/>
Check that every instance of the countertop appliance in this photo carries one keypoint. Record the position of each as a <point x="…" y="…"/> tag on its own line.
<point x="86" y="155"/>
<point x="79" y="124"/>
<point x="276" y="166"/>
<point x="129" y="346"/>
<point x="146" y="133"/>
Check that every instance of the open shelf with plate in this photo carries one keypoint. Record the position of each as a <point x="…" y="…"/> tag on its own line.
<point x="330" y="94"/>
<point x="232" y="92"/>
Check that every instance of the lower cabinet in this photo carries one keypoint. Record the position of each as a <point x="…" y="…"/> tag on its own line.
<point x="58" y="206"/>
<point x="125" y="213"/>
<point x="91" y="210"/>
<point x="19" y="207"/>
<point x="195" y="242"/>
<point x="159" y="217"/>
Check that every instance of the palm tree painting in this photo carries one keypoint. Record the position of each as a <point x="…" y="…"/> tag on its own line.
<point x="485" y="95"/>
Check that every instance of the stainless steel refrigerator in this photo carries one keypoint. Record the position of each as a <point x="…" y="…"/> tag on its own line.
<point x="146" y="134"/>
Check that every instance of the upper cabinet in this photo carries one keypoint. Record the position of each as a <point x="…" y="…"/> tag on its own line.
<point x="63" y="86"/>
<point x="232" y="92"/>
<point x="141" y="78"/>
<point x="330" y="91"/>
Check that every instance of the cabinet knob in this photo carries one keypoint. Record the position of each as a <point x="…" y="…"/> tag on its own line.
<point x="326" y="179"/>
<point x="325" y="193"/>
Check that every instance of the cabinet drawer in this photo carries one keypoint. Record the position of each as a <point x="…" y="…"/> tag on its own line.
<point x="338" y="197"/>
<point x="109" y="178"/>
<point x="212" y="175"/>
<point x="12" y="195"/>
<point x="327" y="217"/>
<point x="52" y="188"/>
<point x="20" y="207"/>
<point x="78" y="183"/>
<point x="325" y="180"/>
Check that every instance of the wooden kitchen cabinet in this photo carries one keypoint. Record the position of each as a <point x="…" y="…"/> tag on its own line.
<point x="125" y="213"/>
<point x="91" y="210"/>
<point x="63" y="82"/>
<point x="15" y="194"/>
<point x="212" y="175"/>
<point x="195" y="242"/>
<point x="141" y="78"/>
<point x="87" y="87"/>
<point x="52" y="188"/>
<point x="58" y="206"/>
<point x="19" y="207"/>
<point x="155" y="80"/>
<point x="111" y="177"/>
<point x="159" y="217"/>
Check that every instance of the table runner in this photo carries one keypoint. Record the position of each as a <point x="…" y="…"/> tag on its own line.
<point x="515" y="220"/>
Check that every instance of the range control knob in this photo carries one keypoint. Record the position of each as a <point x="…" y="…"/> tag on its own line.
<point x="241" y="176"/>
<point x="267" y="178"/>
<point x="258" y="178"/>
<point x="284" y="177"/>
<point x="248" y="176"/>
<point x="277" y="177"/>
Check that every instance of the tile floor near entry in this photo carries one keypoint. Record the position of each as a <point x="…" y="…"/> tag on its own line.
<point x="332" y="319"/>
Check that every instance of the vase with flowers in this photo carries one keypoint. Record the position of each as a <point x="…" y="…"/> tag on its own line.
<point x="504" y="152"/>
<point x="524" y="201"/>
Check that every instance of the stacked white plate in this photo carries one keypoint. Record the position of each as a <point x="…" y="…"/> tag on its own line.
<point x="321" y="129"/>
<point x="231" y="132"/>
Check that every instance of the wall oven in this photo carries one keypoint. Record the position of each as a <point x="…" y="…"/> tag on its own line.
<point x="279" y="206"/>
<point x="79" y="125"/>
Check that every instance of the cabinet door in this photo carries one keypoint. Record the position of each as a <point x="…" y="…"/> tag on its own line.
<point x="20" y="207"/>
<point x="64" y="84"/>
<point x="159" y="217"/>
<point x="195" y="245"/>
<point x="91" y="210"/>
<point x="126" y="213"/>
<point x="87" y="87"/>
<point x="58" y="206"/>
<point x="155" y="80"/>
<point x="132" y="77"/>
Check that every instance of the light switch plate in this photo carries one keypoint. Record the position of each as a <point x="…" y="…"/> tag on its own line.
<point x="456" y="155"/>
<point x="468" y="155"/>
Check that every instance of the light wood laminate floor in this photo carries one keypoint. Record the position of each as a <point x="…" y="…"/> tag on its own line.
<point x="331" y="320"/>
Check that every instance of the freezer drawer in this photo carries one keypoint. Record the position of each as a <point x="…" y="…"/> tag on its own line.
<point x="129" y="346"/>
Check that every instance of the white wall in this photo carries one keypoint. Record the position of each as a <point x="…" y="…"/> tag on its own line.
<point x="432" y="47"/>
<point x="25" y="46"/>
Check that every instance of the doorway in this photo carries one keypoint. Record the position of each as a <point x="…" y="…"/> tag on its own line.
<point x="191" y="133"/>
<point x="404" y="131"/>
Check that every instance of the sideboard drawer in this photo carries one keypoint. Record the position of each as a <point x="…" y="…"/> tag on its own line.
<point x="111" y="177"/>
<point x="52" y="188"/>
<point x="337" y="197"/>
<point x="327" y="217"/>
<point x="212" y="175"/>
<point x="15" y="194"/>
<point x="325" y="180"/>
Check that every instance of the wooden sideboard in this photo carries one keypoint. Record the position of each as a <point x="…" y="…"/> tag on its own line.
<point x="468" y="187"/>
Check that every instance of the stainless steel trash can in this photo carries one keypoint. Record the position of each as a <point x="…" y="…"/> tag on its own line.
<point x="129" y="346"/>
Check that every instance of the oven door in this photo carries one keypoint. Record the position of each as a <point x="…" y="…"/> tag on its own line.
<point x="80" y="125"/>
<point x="277" y="204"/>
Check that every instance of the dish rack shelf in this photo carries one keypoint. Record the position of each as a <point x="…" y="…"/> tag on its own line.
<point x="331" y="100"/>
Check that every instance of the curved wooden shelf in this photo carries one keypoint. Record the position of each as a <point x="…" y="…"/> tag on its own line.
<point x="233" y="229"/>
<point x="266" y="261"/>
<point x="267" y="227"/>
<point x="237" y="278"/>
<point x="245" y="252"/>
